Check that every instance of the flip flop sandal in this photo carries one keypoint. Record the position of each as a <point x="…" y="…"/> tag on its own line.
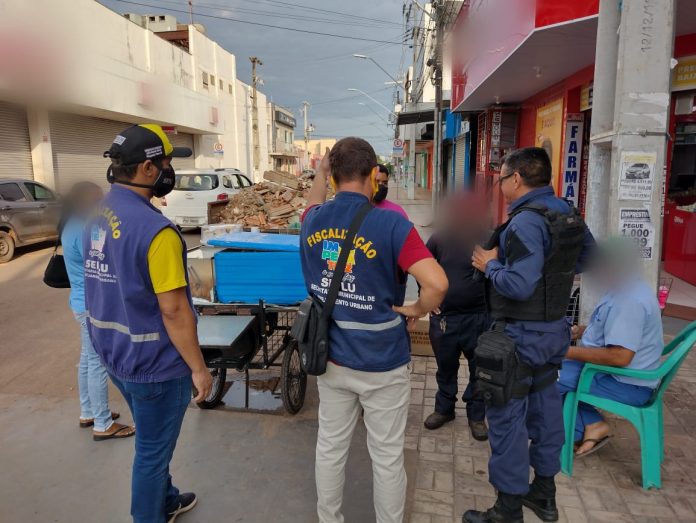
<point x="119" y="434"/>
<point x="598" y="444"/>
<point x="89" y="422"/>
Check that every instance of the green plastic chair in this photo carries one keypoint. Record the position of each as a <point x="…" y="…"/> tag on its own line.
<point x="647" y="419"/>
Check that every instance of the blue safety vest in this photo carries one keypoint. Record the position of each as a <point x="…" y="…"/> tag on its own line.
<point x="365" y="333"/>
<point x="125" y="322"/>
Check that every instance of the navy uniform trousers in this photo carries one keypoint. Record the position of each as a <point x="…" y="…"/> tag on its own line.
<point x="529" y="431"/>
<point x="461" y="332"/>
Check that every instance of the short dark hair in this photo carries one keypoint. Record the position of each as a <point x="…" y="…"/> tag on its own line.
<point x="351" y="159"/>
<point x="532" y="163"/>
<point x="383" y="169"/>
<point x="123" y="171"/>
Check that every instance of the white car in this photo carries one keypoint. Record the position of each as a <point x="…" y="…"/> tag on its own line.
<point x="187" y="204"/>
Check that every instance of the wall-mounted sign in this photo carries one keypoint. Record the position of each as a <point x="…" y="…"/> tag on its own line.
<point x="285" y="119"/>
<point x="636" y="225"/>
<point x="218" y="148"/>
<point x="586" y="97"/>
<point x="549" y="128"/>
<point x="496" y="128"/>
<point x="572" y="152"/>
<point x="637" y="175"/>
<point x="684" y="74"/>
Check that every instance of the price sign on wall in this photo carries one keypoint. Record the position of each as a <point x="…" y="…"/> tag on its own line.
<point x="636" y="225"/>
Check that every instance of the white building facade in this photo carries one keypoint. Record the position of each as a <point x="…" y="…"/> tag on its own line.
<point x="88" y="73"/>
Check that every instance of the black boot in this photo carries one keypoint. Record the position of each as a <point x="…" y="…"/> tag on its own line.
<point x="541" y="498"/>
<point x="437" y="420"/>
<point x="507" y="509"/>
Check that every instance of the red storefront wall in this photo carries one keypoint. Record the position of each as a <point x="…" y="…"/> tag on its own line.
<point x="568" y="90"/>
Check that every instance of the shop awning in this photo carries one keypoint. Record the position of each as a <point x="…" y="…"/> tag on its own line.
<point x="423" y="112"/>
<point x="545" y="57"/>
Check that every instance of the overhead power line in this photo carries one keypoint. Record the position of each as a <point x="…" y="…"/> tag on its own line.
<point x="288" y="13"/>
<point x="342" y="13"/>
<point x="230" y="19"/>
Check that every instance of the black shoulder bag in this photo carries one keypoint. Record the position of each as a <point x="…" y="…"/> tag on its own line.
<point x="311" y="327"/>
<point x="56" y="275"/>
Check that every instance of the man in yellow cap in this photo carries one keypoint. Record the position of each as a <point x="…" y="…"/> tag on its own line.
<point x="141" y="317"/>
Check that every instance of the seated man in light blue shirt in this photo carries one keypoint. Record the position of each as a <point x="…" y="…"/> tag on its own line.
<point x="625" y="330"/>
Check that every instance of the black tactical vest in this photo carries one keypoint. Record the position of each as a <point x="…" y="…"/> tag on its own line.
<point x="551" y="296"/>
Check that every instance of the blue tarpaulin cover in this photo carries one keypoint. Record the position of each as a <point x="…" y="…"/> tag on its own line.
<point x="268" y="268"/>
<point x="258" y="241"/>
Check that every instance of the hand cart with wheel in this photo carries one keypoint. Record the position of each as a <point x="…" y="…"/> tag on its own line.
<point x="243" y="338"/>
<point x="238" y="327"/>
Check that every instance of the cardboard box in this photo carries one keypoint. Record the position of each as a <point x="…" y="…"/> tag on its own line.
<point x="201" y="273"/>
<point x="420" y="342"/>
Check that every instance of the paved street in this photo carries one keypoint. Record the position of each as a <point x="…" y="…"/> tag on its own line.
<point x="248" y="467"/>
<point x="258" y="467"/>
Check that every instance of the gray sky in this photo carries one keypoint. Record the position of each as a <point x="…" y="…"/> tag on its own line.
<point x="299" y="66"/>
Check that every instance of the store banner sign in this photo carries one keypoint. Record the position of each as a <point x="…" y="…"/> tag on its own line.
<point x="549" y="131"/>
<point x="636" y="225"/>
<point x="572" y="153"/>
<point x="496" y="128"/>
<point x="586" y="97"/>
<point x="637" y="175"/>
<point x="684" y="74"/>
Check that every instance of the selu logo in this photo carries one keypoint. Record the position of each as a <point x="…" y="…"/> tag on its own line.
<point x="330" y="251"/>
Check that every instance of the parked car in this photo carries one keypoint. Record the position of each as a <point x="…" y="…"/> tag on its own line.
<point x="29" y="213"/>
<point x="187" y="204"/>
<point x="638" y="171"/>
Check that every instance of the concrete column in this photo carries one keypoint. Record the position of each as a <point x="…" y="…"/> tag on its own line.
<point x="599" y="165"/>
<point x="636" y="93"/>
<point x="41" y="148"/>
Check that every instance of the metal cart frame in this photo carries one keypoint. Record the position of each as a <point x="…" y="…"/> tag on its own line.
<point x="258" y="346"/>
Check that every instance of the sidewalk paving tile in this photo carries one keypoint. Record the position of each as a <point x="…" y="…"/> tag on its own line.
<point x="452" y="472"/>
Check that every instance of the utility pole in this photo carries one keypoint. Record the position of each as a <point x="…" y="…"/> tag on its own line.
<point x="631" y="101"/>
<point x="255" y="112"/>
<point x="191" y="10"/>
<point x="437" y="131"/>
<point x="305" y="110"/>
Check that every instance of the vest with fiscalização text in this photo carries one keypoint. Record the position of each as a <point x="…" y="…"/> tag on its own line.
<point x="125" y="322"/>
<point x="365" y="333"/>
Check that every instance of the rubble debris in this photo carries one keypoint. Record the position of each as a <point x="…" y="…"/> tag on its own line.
<point x="275" y="203"/>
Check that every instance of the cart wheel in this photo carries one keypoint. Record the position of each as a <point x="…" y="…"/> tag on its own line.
<point x="293" y="379"/>
<point x="216" y="392"/>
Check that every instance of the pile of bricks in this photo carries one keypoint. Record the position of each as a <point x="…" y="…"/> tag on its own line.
<point x="272" y="204"/>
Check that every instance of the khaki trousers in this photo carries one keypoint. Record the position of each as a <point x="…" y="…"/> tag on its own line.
<point x="384" y="396"/>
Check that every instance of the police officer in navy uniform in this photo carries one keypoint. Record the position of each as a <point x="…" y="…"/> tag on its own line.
<point x="369" y="346"/>
<point x="529" y="268"/>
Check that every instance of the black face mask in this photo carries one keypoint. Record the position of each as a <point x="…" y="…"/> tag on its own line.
<point x="164" y="184"/>
<point x="381" y="193"/>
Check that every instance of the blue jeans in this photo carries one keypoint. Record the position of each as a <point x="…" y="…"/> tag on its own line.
<point x="604" y="386"/>
<point x="158" y="410"/>
<point x="91" y="381"/>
